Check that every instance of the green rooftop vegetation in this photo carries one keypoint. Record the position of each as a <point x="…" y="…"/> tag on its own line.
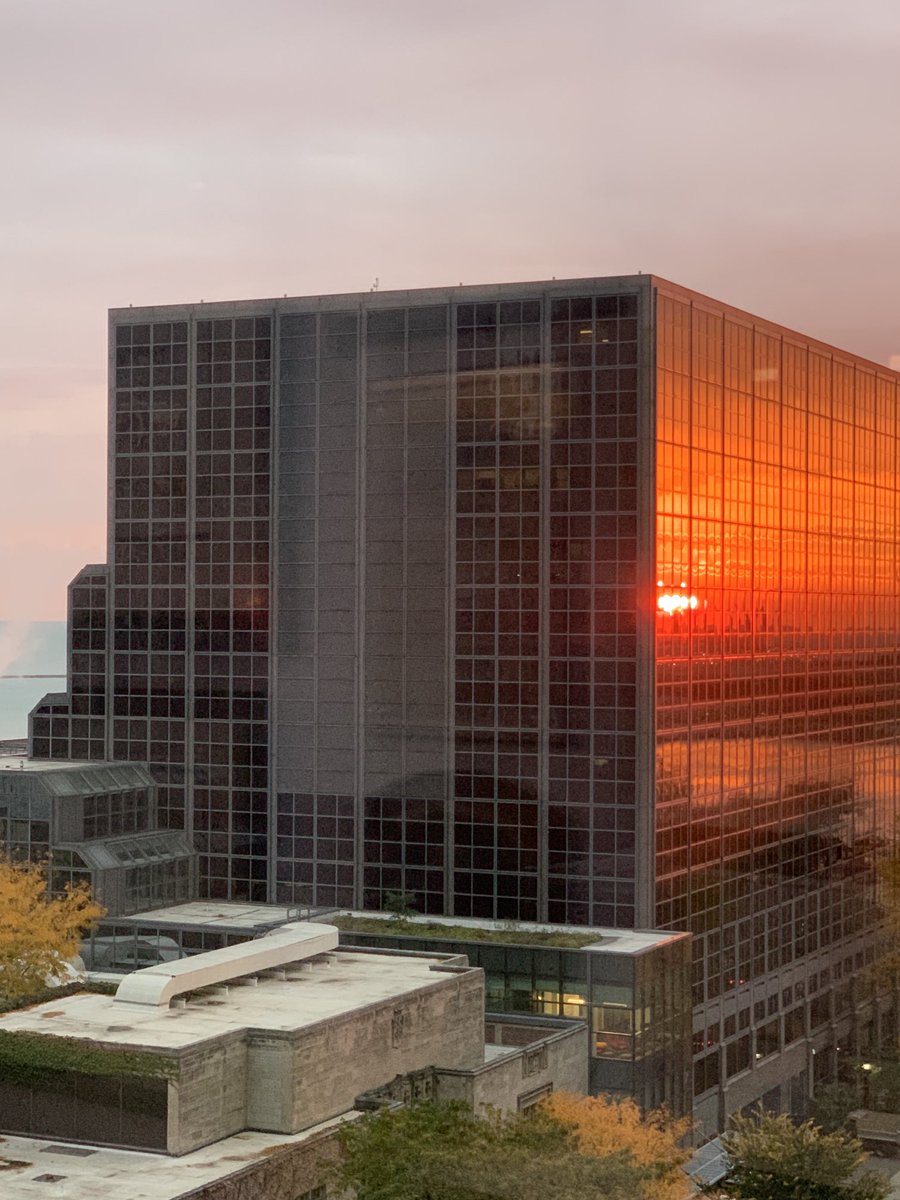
<point x="34" y="1059"/>
<point x="432" y="930"/>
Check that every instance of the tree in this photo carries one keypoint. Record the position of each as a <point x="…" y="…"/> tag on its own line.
<point x="774" y="1159"/>
<point x="446" y="1152"/>
<point x="832" y="1105"/>
<point x="401" y="905"/>
<point x="38" y="933"/>
<point x="602" y="1126"/>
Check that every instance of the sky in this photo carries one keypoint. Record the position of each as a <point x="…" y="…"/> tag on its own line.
<point x="192" y="150"/>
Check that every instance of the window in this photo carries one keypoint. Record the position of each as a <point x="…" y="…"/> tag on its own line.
<point x="128" y="1111"/>
<point x="529" y="1099"/>
<point x="316" y="1193"/>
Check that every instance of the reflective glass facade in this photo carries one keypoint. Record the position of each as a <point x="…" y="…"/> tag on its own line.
<point x="146" y="668"/>
<point x="228" y="605"/>
<point x="778" y="613"/>
<point x="74" y="725"/>
<point x="106" y="1110"/>
<point x="457" y="493"/>
<point x="569" y="601"/>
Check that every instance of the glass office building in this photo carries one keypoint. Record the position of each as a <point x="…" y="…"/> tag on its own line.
<point x="777" y="660"/>
<point x="572" y="601"/>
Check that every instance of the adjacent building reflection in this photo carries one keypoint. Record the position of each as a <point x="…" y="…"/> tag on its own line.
<point x="777" y="756"/>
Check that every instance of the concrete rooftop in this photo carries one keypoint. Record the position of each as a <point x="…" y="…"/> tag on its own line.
<point x="20" y="763"/>
<point x="312" y="993"/>
<point x="226" y="915"/>
<point x="132" y="1174"/>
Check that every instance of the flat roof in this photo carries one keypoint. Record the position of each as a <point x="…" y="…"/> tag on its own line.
<point x="613" y="941"/>
<point x="336" y="301"/>
<point x="238" y="916"/>
<point x="461" y="293"/>
<point x="226" y="915"/>
<point x="255" y="916"/>
<point x="133" y="1174"/>
<point x="313" y="993"/>
<point x="281" y="952"/>
<point x="18" y="762"/>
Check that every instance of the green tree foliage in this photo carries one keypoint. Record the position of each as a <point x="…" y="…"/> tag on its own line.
<point x="774" y="1159"/>
<point x="879" y="1085"/>
<point x="401" y="905"/>
<point x="833" y="1104"/>
<point x="446" y="1152"/>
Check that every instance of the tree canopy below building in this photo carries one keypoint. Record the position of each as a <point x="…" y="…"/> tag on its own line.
<point x="39" y="933"/>
<point x="572" y="1149"/>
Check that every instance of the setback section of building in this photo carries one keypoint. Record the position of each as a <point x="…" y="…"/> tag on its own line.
<point x="526" y="1059"/>
<point x="774" y="1041"/>
<point x="632" y="988"/>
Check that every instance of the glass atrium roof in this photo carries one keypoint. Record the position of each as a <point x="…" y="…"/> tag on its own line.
<point x="137" y="851"/>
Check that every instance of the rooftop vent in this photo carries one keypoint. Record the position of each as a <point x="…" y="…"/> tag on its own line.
<point x="164" y="982"/>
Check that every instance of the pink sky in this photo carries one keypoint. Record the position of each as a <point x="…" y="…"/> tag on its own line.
<point x="209" y="149"/>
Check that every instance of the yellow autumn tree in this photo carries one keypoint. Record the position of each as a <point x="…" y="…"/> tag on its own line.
<point x="38" y="933"/>
<point x="602" y="1126"/>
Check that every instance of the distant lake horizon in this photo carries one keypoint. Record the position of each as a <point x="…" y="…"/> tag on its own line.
<point x="28" y="648"/>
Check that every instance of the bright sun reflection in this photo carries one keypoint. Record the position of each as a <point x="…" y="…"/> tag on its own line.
<point x="671" y="603"/>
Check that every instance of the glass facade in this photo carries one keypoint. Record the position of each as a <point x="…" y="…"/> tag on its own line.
<point x="404" y="741"/>
<point x="361" y="712"/>
<point x="569" y="601"/>
<point x="777" y="662"/>
<point x="73" y="724"/>
<point x="188" y="599"/>
<point x="229" y="605"/>
<point x="317" y="550"/>
<point x="591" y="504"/>
<point x="457" y="494"/>
<point x="637" y="1004"/>
<point x="106" y="1110"/>
<point x="498" y="596"/>
<point x="96" y="823"/>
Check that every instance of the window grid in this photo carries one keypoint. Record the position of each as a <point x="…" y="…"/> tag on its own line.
<point x="777" y="522"/>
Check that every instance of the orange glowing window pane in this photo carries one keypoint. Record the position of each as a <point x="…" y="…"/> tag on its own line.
<point x="672" y="603"/>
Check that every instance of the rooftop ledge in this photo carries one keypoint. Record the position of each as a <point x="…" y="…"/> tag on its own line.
<point x="510" y="933"/>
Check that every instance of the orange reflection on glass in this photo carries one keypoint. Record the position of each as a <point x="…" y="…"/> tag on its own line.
<point x="672" y="603"/>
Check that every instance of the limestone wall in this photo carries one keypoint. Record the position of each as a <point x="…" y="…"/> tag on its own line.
<point x="513" y="1082"/>
<point x="207" y="1099"/>
<point x="270" y="1084"/>
<point x="287" y="1174"/>
<point x="335" y="1063"/>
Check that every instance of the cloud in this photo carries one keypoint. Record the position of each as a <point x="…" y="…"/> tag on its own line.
<point x="210" y="150"/>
